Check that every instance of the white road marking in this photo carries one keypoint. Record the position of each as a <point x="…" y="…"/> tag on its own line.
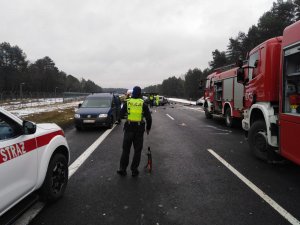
<point x="81" y="159"/>
<point x="259" y="192"/>
<point x="170" y="117"/>
<point x="213" y="127"/>
<point x="37" y="207"/>
<point x="196" y="109"/>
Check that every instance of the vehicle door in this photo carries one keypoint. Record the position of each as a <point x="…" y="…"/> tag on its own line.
<point x="18" y="161"/>
<point x="114" y="108"/>
<point x="253" y="86"/>
<point x="118" y="107"/>
<point x="290" y="115"/>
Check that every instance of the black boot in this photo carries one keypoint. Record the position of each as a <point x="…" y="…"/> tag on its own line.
<point x="122" y="172"/>
<point x="135" y="173"/>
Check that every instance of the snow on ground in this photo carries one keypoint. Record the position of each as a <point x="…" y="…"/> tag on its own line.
<point x="31" y="103"/>
<point x="182" y="101"/>
<point x="47" y="105"/>
<point x="42" y="105"/>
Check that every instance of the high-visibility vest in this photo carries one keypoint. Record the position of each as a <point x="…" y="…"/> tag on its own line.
<point x="157" y="99"/>
<point x="151" y="97"/>
<point x="135" y="109"/>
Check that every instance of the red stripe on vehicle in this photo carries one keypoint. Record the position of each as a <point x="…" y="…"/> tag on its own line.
<point x="10" y="152"/>
<point x="45" y="139"/>
<point x="29" y="145"/>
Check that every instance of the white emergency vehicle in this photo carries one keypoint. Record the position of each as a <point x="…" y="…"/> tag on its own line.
<point x="32" y="157"/>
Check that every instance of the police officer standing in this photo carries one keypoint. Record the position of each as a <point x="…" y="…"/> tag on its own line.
<point x="134" y="129"/>
<point x="157" y="100"/>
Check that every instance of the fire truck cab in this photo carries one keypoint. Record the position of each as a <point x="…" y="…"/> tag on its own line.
<point x="272" y="96"/>
<point x="224" y="95"/>
<point x="261" y="98"/>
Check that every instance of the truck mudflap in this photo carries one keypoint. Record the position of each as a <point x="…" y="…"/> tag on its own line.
<point x="274" y="129"/>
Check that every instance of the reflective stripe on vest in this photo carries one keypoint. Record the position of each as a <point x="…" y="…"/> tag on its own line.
<point x="135" y="109"/>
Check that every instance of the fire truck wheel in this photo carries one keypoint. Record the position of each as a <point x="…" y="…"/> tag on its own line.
<point x="208" y="114"/>
<point x="258" y="140"/>
<point x="56" y="179"/>
<point x="228" y="118"/>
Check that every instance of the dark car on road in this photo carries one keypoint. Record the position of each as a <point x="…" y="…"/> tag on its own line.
<point x="98" y="110"/>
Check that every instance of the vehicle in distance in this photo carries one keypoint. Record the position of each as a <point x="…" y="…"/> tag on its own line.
<point x="98" y="110"/>
<point x="32" y="157"/>
<point x="146" y="99"/>
<point x="163" y="100"/>
<point x="200" y="101"/>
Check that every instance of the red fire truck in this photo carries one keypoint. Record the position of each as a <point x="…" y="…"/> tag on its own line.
<point x="224" y="95"/>
<point x="272" y="96"/>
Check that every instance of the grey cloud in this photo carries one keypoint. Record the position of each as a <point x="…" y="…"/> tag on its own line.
<point x="118" y="43"/>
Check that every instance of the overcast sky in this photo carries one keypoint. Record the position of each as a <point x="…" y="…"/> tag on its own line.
<point x="123" y="43"/>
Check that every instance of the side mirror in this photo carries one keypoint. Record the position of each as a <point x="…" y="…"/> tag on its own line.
<point x="256" y="63"/>
<point x="79" y="105"/>
<point x="240" y="63"/>
<point x="240" y="75"/>
<point x="201" y="84"/>
<point x="28" y="127"/>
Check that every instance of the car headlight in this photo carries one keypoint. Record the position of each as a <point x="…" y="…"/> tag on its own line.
<point x="77" y="116"/>
<point x="102" y="115"/>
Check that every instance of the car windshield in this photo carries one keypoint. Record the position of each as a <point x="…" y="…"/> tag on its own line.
<point x="96" y="103"/>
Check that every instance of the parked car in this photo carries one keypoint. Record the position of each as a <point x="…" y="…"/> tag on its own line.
<point x="97" y="110"/>
<point x="32" y="157"/>
<point x="200" y="101"/>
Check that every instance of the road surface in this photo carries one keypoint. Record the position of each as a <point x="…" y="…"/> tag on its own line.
<point x="203" y="173"/>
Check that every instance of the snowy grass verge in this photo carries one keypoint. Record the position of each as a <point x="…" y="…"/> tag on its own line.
<point x="43" y="112"/>
<point x="63" y="118"/>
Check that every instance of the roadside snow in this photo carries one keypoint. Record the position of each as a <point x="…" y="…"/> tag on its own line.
<point x="182" y="101"/>
<point x="31" y="103"/>
<point x="46" y="105"/>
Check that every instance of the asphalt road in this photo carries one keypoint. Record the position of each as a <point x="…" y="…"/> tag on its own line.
<point x="188" y="184"/>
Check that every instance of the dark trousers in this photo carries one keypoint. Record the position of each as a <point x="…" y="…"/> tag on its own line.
<point x="135" y="138"/>
<point x="151" y="103"/>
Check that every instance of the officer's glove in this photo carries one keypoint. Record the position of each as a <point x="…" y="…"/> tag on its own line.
<point x="147" y="131"/>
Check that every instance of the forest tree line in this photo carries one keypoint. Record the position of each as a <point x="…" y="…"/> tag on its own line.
<point x="41" y="76"/>
<point x="270" y="24"/>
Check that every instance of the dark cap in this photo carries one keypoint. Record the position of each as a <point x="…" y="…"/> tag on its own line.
<point x="136" y="92"/>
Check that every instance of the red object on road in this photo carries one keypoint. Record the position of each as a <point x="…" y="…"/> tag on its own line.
<point x="148" y="167"/>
